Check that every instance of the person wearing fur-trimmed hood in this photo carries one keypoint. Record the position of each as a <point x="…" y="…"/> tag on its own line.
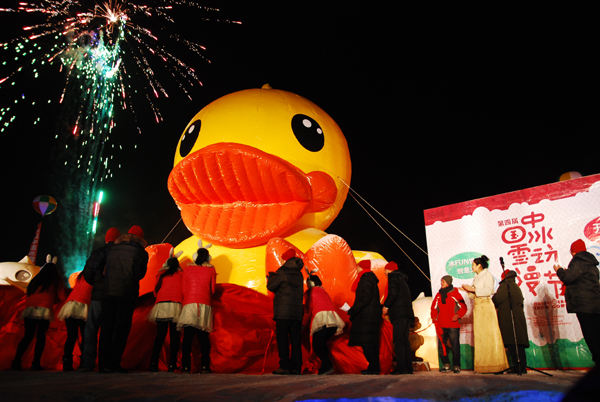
<point x="199" y="284"/>
<point x="126" y="265"/>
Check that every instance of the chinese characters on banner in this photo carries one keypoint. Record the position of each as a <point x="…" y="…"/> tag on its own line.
<point x="532" y="230"/>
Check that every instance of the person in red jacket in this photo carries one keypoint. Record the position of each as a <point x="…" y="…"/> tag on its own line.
<point x="166" y="310"/>
<point x="324" y="321"/>
<point x="196" y="319"/>
<point x="74" y="313"/>
<point x="447" y="307"/>
<point x="44" y="291"/>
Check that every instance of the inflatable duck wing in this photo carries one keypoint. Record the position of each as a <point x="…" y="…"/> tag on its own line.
<point x="255" y="165"/>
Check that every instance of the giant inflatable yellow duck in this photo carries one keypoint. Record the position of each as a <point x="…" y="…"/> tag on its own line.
<point x="255" y="166"/>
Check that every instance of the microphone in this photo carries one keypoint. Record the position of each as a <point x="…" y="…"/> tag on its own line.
<point x="502" y="262"/>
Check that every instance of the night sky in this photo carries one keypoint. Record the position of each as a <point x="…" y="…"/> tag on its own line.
<point x="440" y="103"/>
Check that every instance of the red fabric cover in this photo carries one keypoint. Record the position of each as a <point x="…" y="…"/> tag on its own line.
<point x="157" y="255"/>
<point x="82" y="292"/>
<point x="199" y="283"/>
<point x="243" y="340"/>
<point x="171" y="288"/>
<point x="444" y="312"/>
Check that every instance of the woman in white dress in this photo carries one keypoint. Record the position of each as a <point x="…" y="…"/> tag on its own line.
<point x="490" y="356"/>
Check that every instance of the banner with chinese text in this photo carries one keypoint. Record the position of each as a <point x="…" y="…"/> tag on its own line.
<point x="531" y="230"/>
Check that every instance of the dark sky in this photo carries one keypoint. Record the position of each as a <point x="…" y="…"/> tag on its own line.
<point x="441" y="102"/>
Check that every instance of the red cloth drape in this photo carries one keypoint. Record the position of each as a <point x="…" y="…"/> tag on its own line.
<point x="243" y="340"/>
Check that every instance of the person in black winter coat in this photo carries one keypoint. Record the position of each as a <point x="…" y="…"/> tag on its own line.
<point x="398" y="305"/>
<point x="582" y="294"/>
<point x="365" y="315"/>
<point x="505" y="320"/>
<point x="93" y="273"/>
<point x="126" y="265"/>
<point x="288" y="286"/>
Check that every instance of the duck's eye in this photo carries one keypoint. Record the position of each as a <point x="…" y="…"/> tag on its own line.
<point x="308" y="132"/>
<point x="189" y="138"/>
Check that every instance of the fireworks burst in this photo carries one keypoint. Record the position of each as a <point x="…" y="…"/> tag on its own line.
<point x="101" y="46"/>
<point x="109" y="55"/>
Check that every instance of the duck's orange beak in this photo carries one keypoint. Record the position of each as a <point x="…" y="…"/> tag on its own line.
<point x="239" y="196"/>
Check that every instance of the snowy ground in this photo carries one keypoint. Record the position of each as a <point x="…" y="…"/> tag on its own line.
<point x="422" y="386"/>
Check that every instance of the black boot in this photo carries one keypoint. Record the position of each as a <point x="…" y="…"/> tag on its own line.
<point x="67" y="363"/>
<point x="172" y="365"/>
<point x="16" y="365"/>
<point x="154" y="366"/>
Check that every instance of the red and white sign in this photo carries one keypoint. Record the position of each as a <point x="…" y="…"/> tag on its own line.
<point x="531" y="230"/>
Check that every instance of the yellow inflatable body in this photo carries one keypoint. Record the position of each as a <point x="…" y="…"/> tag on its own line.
<point x="258" y="165"/>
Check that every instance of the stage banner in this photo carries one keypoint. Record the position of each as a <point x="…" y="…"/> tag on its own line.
<point x="531" y="230"/>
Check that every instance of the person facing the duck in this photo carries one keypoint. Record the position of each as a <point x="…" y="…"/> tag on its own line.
<point x="198" y="283"/>
<point x="166" y="310"/>
<point x="44" y="291"/>
<point x="323" y="319"/>
<point x="398" y="305"/>
<point x="288" y="286"/>
<point x="366" y="317"/>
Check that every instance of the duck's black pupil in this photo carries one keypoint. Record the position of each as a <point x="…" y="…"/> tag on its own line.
<point x="308" y="132"/>
<point x="189" y="138"/>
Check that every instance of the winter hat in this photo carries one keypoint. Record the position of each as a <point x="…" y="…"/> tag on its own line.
<point x="509" y="273"/>
<point x="391" y="266"/>
<point x="365" y="264"/>
<point x="577" y="246"/>
<point x="111" y="235"/>
<point x="447" y="279"/>
<point x="288" y="254"/>
<point x="136" y="230"/>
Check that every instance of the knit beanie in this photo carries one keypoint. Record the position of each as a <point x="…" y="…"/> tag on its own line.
<point x="288" y="254"/>
<point x="577" y="246"/>
<point x="136" y="230"/>
<point x="447" y="279"/>
<point x="111" y="235"/>
<point x="365" y="264"/>
<point x="391" y="266"/>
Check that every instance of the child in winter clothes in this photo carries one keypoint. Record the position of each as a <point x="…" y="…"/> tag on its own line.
<point x="166" y="310"/>
<point x="196" y="319"/>
<point x="324" y="320"/>
<point x="447" y="307"/>
<point x="74" y="313"/>
<point x="44" y="291"/>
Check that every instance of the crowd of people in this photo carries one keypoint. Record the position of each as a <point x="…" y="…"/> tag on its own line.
<point x="103" y="298"/>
